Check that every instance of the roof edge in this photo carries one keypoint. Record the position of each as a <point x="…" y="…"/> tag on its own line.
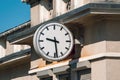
<point x="14" y="29"/>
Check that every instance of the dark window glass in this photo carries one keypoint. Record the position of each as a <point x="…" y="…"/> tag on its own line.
<point x="47" y="78"/>
<point x="84" y="74"/>
<point x="64" y="77"/>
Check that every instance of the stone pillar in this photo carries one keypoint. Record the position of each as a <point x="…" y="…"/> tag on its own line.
<point x="59" y="7"/>
<point x="98" y="69"/>
<point x="106" y="69"/>
<point x="45" y="10"/>
<point x="40" y="11"/>
<point x="35" y="15"/>
<point x="74" y="75"/>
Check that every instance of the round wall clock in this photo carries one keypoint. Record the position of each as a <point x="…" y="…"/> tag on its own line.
<point x="53" y="41"/>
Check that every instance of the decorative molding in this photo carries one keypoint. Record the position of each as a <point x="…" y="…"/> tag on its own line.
<point x="26" y="24"/>
<point x="84" y="61"/>
<point x="44" y="73"/>
<point x="14" y="56"/>
<point x="61" y="69"/>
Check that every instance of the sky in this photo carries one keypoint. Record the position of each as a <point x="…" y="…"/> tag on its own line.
<point x="13" y="13"/>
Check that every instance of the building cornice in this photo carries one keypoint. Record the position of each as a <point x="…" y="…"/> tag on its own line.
<point x="80" y="15"/>
<point x="14" y="58"/>
<point x="82" y="63"/>
<point x="26" y="24"/>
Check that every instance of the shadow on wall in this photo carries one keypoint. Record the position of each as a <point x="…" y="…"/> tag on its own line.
<point x="17" y="72"/>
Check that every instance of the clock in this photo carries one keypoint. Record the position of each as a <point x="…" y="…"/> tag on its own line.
<point x="53" y="41"/>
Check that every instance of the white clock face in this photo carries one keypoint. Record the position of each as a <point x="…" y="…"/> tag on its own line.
<point x="53" y="41"/>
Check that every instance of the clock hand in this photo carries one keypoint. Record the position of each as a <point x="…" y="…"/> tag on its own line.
<point x="55" y="41"/>
<point x="52" y="40"/>
<point x="56" y="53"/>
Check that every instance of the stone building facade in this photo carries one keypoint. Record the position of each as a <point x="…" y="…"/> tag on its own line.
<point x="95" y="25"/>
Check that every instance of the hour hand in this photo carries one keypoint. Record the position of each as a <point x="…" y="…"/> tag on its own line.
<point x="52" y="40"/>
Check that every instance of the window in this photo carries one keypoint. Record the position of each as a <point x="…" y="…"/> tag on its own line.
<point x="47" y="78"/>
<point x="64" y="77"/>
<point x="84" y="74"/>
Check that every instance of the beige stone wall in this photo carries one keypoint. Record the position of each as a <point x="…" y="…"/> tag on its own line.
<point x="6" y="48"/>
<point x="94" y="38"/>
<point x="34" y="15"/>
<point x="13" y="48"/>
<point x="59" y="7"/>
<point x="2" y="47"/>
<point x="40" y="12"/>
<point x="113" y="35"/>
<point x="98" y="70"/>
<point x="101" y="36"/>
<point x="78" y="3"/>
<point x="113" y="67"/>
<point x="106" y="69"/>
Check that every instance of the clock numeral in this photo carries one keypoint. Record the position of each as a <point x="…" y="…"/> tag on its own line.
<point x="42" y="48"/>
<point x="66" y="48"/>
<point x="40" y="40"/>
<point x="42" y="33"/>
<point x="61" y="28"/>
<point x="68" y="41"/>
<point x="66" y="34"/>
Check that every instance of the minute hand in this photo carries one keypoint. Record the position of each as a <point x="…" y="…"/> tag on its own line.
<point x="56" y="51"/>
<point x="52" y="40"/>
